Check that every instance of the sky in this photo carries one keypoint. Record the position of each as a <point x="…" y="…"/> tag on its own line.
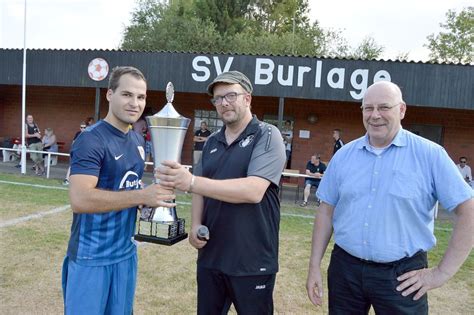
<point x="398" y="25"/>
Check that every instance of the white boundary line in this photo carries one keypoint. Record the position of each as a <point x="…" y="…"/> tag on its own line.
<point x="39" y="215"/>
<point x="32" y="185"/>
<point x="34" y="216"/>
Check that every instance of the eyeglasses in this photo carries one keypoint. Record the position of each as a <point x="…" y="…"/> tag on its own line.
<point x="83" y="127"/>
<point x="380" y="108"/>
<point x="229" y="97"/>
<point x="462" y="161"/>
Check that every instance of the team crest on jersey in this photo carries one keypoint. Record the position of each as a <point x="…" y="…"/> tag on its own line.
<point x="245" y="142"/>
<point x="142" y="152"/>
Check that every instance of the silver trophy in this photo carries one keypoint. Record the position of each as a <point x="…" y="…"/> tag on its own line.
<point x="168" y="128"/>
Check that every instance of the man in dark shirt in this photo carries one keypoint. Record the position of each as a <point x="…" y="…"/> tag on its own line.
<point x="314" y="168"/>
<point x="235" y="194"/>
<point x="33" y="138"/>
<point x="200" y="137"/>
<point x="336" y="134"/>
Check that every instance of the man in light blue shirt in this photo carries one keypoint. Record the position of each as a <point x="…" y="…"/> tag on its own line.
<point x="380" y="207"/>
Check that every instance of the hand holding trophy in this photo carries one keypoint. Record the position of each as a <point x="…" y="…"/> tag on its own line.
<point x="161" y="225"/>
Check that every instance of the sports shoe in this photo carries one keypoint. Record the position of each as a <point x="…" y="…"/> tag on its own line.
<point x="304" y="204"/>
<point x="65" y="182"/>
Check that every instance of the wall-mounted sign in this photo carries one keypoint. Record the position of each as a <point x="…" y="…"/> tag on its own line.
<point x="98" y="69"/>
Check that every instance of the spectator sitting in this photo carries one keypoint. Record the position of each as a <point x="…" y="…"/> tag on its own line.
<point x="465" y="170"/>
<point x="49" y="141"/>
<point x="314" y="168"/>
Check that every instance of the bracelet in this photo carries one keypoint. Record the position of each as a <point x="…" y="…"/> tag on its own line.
<point x="191" y="186"/>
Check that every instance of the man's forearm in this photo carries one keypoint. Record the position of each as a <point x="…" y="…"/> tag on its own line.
<point x="322" y="232"/>
<point x="96" y="200"/>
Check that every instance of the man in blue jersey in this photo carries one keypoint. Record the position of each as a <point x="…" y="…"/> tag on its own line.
<point x="235" y="194"/>
<point x="377" y="196"/>
<point x="107" y="161"/>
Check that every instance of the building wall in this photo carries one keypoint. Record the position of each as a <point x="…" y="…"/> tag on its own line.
<point x="63" y="109"/>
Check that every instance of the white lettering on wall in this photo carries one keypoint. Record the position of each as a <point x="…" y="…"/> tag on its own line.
<point x="363" y="74"/>
<point x="198" y="68"/>
<point x="264" y="68"/>
<point x="217" y="64"/>
<point x="317" y="79"/>
<point x="285" y="75"/>
<point x="301" y="72"/>
<point x="340" y="72"/>
<point x="289" y="79"/>
<point x="382" y="75"/>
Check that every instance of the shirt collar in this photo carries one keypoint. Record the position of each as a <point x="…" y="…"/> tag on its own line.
<point x="251" y="128"/>
<point x="400" y="140"/>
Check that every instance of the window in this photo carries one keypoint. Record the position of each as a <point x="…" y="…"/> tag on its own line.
<point x="210" y="117"/>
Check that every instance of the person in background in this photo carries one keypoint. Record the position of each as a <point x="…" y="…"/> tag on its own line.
<point x="107" y="161"/>
<point x="89" y="121"/>
<point x="200" y="136"/>
<point x="49" y="141"/>
<point x="465" y="170"/>
<point x="235" y="194"/>
<point x="336" y="134"/>
<point x="314" y="168"/>
<point x="378" y="196"/>
<point x="82" y="127"/>
<point x="287" y="135"/>
<point x="33" y="138"/>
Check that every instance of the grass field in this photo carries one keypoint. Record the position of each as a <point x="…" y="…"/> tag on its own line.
<point x="32" y="252"/>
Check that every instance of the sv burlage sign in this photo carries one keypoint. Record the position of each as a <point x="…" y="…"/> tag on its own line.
<point x="295" y="77"/>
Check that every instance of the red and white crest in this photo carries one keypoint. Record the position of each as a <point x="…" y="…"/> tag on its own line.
<point x="98" y="69"/>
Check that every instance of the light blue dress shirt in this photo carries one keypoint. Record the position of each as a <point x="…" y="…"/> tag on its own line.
<point x="383" y="204"/>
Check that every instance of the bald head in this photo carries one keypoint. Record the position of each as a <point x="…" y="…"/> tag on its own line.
<point x="383" y="92"/>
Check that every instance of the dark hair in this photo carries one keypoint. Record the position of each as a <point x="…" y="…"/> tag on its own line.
<point x="89" y="121"/>
<point x="338" y="130"/>
<point x="118" y="72"/>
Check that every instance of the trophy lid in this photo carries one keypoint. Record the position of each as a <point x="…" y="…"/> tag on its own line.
<point x="168" y="115"/>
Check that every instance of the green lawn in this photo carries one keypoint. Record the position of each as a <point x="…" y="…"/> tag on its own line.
<point x="31" y="255"/>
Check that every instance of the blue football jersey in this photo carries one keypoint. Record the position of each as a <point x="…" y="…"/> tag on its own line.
<point x="117" y="160"/>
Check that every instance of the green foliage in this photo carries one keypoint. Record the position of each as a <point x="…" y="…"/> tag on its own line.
<point x="367" y="49"/>
<point x="456" y="42"/>
<point x="280" y="27"/>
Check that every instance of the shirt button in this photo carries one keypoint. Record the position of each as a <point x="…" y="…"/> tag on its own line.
<point x="365" y="242"/>
<point x="370" y="206"/>
<point x="366" y="224"/>
<point x="376" y="172"/>
<point x="379" y="157"/>
<point x="373" y="189"/>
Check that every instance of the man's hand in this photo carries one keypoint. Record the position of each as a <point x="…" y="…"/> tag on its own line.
<point x="421" y="280"/>
<point x="314" y="286"/>
<point x="156" y="195"/>
<point x="193" y="239"/>
<point x="173" y="175"/>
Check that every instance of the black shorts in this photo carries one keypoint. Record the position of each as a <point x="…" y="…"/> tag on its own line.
<point x="249" y="294"/>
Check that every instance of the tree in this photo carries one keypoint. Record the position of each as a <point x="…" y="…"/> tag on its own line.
<point x="456" y="43"/>
<point x="367" y="49"/>
<point x="239" y="26"/>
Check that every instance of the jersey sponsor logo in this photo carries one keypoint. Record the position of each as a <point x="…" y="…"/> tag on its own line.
<point x="117" y="157"/>
<point x="260" y="287"/>
<point x="263" y="269"/>
<point x="245" y="142"/>
<point x="130" y="181"/>
<point x="213" y="150"/>
<point x="141" y="151"/>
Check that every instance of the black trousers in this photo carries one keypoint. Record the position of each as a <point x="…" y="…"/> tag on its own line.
<point x="249" y="294"/>
<point x="356" y="284"/>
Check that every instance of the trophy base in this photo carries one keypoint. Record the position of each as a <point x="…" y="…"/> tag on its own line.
<point x="160" y="240"/>
<point x="159" y="233"/>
